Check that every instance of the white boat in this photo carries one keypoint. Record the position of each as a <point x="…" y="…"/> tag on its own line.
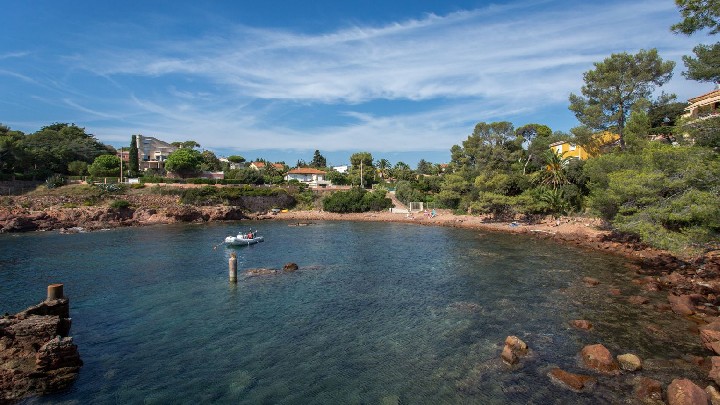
<point x="244" y="239"/>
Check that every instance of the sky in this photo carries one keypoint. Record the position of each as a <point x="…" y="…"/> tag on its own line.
<point x="403" y="80"/>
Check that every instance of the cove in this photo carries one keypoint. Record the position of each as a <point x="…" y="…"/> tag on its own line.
<point x="378" y="313"/>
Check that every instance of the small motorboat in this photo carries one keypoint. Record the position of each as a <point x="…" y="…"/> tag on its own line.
<point x="244" y="239"/>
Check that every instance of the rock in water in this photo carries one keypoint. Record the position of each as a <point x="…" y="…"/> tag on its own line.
<point x="514" y="349"/>
<point x="597" y="357"/>
<point x="575" y="382"/>
<point x="581" y="324"/>
<point x="290" y="267"/>
<point x="685" y="392"/>
<point x="36" y="355"/>
<point x="629" y="362"/>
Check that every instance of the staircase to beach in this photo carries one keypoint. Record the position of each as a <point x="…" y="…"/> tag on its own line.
<point x="398" y="206"/>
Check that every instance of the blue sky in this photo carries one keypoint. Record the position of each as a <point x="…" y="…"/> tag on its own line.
<point x="404" y="80"/>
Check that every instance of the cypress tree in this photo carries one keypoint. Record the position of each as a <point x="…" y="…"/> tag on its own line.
<point x="134" y="163"/>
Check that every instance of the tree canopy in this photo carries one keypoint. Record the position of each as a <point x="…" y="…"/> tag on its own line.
<point x="616" y="84"/>
<point x="698" y="15"/>
<point x="105" y="166"/>
<point x="318" y="160"/>
<point x="184" y="162"/>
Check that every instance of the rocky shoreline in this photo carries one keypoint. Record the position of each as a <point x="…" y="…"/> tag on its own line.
<point x="692" y="284"/>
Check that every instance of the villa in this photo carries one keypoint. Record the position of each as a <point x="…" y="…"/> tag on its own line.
<point x="599" y="143"/>
<point x="307" y="175"/>
<point x="703" y="106"/>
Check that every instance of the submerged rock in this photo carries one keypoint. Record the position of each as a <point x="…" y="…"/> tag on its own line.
<point x="260" y="272"/>
<point x="581" y="324"/>
<point x="575" y="382"/>
<point x="648" y="391"/>
<point x="590" y="282"/>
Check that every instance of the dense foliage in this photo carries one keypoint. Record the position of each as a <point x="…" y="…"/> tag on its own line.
<point x="357" y="200"/>
<point x="668" y="196"/>
<point x="184" y="162"/>
<point x="47" y="151"/>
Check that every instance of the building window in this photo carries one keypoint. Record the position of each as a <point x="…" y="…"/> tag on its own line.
<point x="572" y="146"/>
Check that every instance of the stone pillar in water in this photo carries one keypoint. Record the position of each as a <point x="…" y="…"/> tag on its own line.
<point x="54" y="292"/>
<point x="233" y="268"/>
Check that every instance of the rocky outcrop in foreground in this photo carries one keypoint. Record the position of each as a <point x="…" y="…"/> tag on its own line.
<point x="36" y="354"/>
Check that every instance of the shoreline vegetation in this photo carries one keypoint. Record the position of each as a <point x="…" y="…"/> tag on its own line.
<point x="691" y="283"/>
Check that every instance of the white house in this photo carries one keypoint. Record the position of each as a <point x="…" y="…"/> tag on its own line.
<point x="307" y="175"/>
<point x="341" y="168"/>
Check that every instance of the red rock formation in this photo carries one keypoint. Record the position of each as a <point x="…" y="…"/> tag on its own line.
<point x="598" y="358"/>
<point x="37" y="355"/>
<point x="575" y="382"/>
<point x="685" y="392"/>
<point x="514" y="349"/>
<point x="647" y="391"/>
<point x="581" y="324"/>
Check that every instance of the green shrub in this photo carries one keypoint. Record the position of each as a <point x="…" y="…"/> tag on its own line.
<point x="119" y="204"/>
<point x="55" y="181"/>
<point x="356" y="200"/>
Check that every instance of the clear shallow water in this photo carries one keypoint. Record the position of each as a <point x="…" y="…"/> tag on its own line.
<point x="377" y="313"/>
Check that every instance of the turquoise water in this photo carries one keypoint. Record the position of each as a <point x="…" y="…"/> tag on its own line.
<point x="378" y="313"/>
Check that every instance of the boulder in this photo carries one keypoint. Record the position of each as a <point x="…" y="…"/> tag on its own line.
<point x="681" y="304"/>
<point x="514" y="349"/>
<point x="590" y="282"/>
<point x="290" y="267"/>
<point x="629" y="362"/>
<point x="575" y="382"/>
<point x="647" y="391"/>
<point x="713" y="395"/>
<point x="710" y="336"/>
<point x="715" y="369"/>
<point x="597" y="357"/>
<point x="581" y="324"/>
<point x="685" y="392"/>
<point x="508" y="356"/>
<point x="638" y="300"/>
<point x="36" y="355"/>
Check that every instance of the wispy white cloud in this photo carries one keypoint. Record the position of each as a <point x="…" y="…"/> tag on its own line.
<point x="447" y="71"/>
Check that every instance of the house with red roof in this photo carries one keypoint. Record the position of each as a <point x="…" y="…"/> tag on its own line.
<point x="262" y="165"/>
<point x="308" y="175"/>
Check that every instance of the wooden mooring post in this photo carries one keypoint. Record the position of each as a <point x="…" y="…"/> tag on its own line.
<point x="54" y="292"/>
<point x="232" y="264"/>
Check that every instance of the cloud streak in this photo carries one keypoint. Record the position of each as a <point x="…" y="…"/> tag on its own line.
<point x="437" y="76"/>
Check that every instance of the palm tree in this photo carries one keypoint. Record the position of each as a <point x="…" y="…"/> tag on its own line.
<point x="555" y="172"/>
<point x="382" y="168"/>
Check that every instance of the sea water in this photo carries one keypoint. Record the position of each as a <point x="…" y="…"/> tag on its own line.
<point x="378" y="313"/>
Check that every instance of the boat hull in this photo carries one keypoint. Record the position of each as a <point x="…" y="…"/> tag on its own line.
<point x="235" y="241"/>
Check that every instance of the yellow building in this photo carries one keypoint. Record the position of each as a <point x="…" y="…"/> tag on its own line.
<point x="704" y="106"/>
<point x="599" y="142"/>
